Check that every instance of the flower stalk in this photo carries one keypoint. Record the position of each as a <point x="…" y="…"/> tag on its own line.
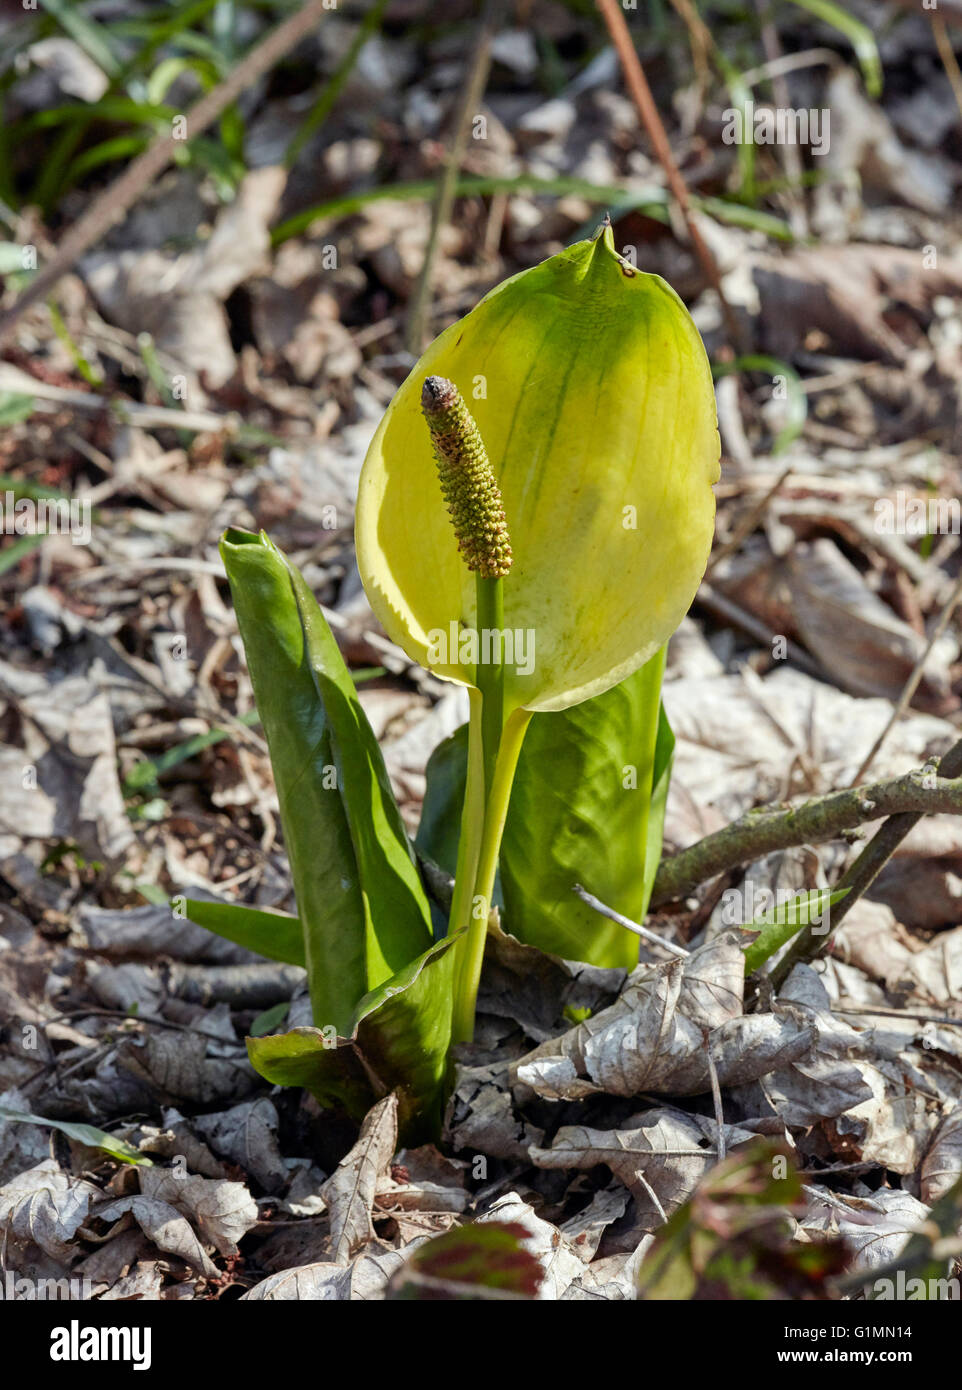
<point x="475" y="507"/>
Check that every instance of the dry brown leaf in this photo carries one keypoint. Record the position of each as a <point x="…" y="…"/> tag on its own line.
<point x="655" y="1037"/>
<point x="559" y="1261"/>
<point x="660" y="1156"/>
<point x="222" y="1212"/>
<point x="351" y="1189"/>
<point x="165" y="1226"/>
<point x="362" y="1281"/>
<point x="942" y="1165"/>
<point x="45" y="1206"/>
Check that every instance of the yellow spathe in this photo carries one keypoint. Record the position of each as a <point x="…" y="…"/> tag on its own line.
<point x="593" y="394"/>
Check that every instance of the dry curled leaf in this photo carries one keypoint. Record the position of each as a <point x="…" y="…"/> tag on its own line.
<point x="942" y="1165"/>
<point x="45" y="1206"/>
<point x="165" y="1226"/>
<point x="657" y="1034"/>
<point x="351" y="1189"/>
<point x="221" y="1211"/>
<point x="660" y="1156"/>
<point x="560" y="1263"/>
<point x="365" y="1279"/>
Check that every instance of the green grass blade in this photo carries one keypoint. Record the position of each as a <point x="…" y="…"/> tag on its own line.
<point x="858" y="34"/>
<point x="82" y="1134"/>
<point x="778" y="927"/>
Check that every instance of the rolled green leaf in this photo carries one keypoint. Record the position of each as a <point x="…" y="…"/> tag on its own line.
<point x="360" y="900"/>
<point x="81" y="1134"/>
<point x="777" y="927"/>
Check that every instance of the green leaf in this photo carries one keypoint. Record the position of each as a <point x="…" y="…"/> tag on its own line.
<point x="440" y="825"/>
<point x="270" y="1019"/>
<point x="327" y="884"/>
<point x="484" y="1260"/>
<point x="15" y="407"/>
<point x="858" y="34"/>
<point x="582" y="810"/>
<point x="364" y="912"/>
<point x="82" y="1134"/>
<point x="332" y="1070"/>
<point x="399" y="914"/>
<point x="276" y="935"/>
<point x="398" y="1040"/>
<point x="778" y="927"/>
<point x="733" y="1238"/>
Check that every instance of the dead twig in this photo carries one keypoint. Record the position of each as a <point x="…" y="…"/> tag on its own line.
<point x="947" y="53"/>
<point x="447" y="182"/>
<point x="726" y="608"/>
<point x="637" y="83"/>
<point x="628" y="924"/>
<point x="822" y="818"/>
<point x="748" y="523"/>
<point x="716" y="1100"/>
<point x="863" y="872"/>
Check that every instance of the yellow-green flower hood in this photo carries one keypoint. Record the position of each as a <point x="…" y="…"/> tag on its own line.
<point x="593" y="394"/>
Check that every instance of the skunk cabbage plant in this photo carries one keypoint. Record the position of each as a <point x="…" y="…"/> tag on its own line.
<point x="534" y="516"/>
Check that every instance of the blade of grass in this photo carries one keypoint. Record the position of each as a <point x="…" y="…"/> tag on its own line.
<point x="858" y="34"/>
<point x="79" y="361"/>
<point x="86" y="34"/>
<point x="653" y="201"/>
<point x="82" y="1134"/>
<point x="329" y="93"/>
<point x="20" y="549"/>
<point x="797" y="399"/>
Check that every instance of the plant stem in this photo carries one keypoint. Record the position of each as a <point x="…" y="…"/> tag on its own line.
<point x="472" y="823"/>
<point x="490" y="675"/>
<point x="484" y="743"/>
<point x="495" y="814"/>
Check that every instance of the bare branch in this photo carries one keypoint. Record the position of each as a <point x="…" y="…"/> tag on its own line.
<point x="822" y="818"/>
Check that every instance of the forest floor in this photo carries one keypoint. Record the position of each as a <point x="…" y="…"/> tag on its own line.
<point x="210" y="362"/>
